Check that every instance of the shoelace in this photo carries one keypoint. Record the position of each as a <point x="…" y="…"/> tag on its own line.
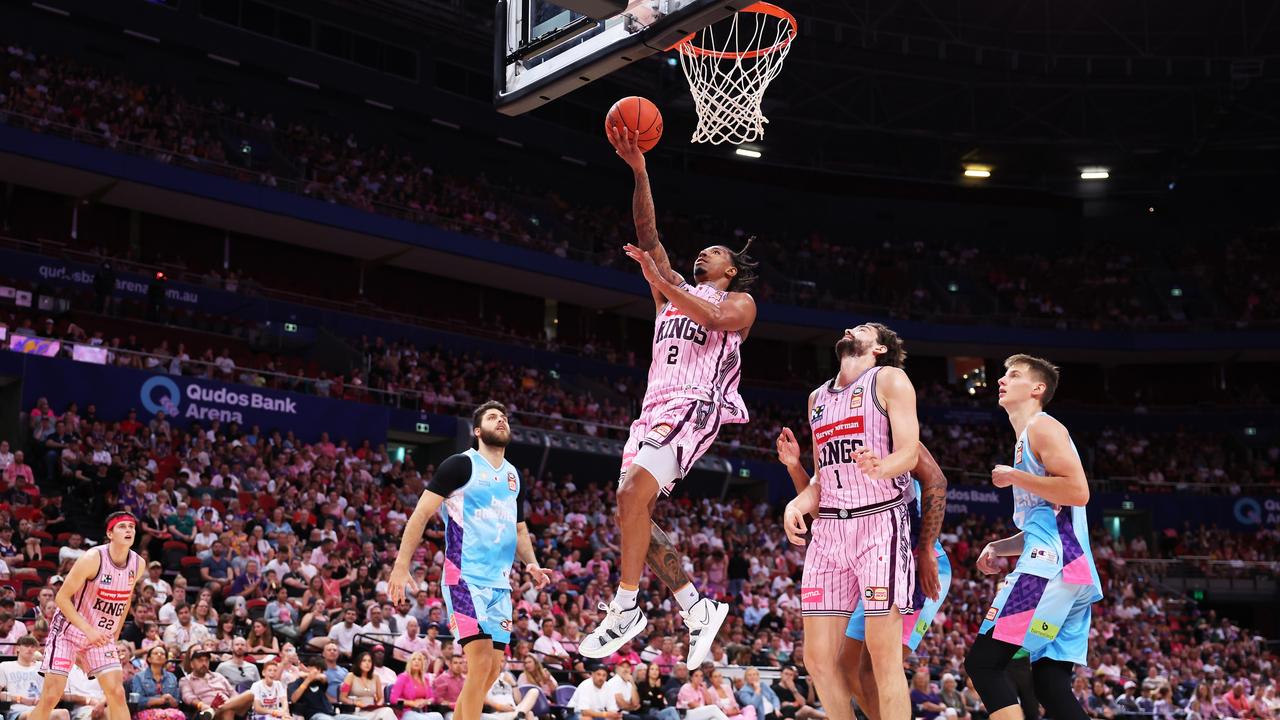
<point x="610" y="614"/>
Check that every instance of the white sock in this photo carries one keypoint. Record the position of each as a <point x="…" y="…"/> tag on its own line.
<point x="626" y="599"/>
<point x="687" y="596"/>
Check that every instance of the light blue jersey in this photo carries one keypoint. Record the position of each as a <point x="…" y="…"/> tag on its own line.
<point x="482" y="506"/>
<point x="1055" y="538"/>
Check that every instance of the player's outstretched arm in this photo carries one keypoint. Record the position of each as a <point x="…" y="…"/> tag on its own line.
<point x="428" y="505"/>
<point x="626" y="144"/>
<point x="85" y="569"/>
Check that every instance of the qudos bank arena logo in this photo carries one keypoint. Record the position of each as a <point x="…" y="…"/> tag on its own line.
<point x="170" y="395"/>
<point x="1248" y="512"/>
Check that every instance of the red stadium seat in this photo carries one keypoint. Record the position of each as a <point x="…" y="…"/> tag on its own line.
<point x="46" y="565"/>
<point x="63" y="537"/>
<point x="256" y="607"/>
<point x="50" y="551"/>
<point x="42" y="535"/>
<point x="175" y="545"/>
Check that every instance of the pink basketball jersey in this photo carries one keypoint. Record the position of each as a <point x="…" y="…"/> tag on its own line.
<point x="102" y="600"/>
<point x="844" y="421"/>
<point x="690" y="361"/>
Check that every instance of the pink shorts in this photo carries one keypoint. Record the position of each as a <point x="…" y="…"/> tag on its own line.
<point x="65" y="646"/>
<point x="860" y="557"/>
<point x="681" y="426"/>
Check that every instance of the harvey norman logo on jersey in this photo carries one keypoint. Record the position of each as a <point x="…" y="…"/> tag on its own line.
<point x="195" y="402"/>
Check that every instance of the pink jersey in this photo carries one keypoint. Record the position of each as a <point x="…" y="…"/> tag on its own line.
<point x="844" y="421"/>
<point x="690" y="361"/>
<point x="102" y="600"/>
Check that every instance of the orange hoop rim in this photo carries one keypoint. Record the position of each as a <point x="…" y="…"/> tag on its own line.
<point x="686" y="46"/>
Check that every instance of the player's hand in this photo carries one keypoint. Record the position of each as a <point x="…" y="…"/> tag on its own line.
<point x="869" y="463"/>
<point x="987" y="561"/>
<point x="398" y="582"/>
<point x="1002" y="476"/>
<point x="627" y="144"/>
<point x="788" y="448"/>
<point x="794" y="525"/>
<point x="927" y="573"/>
<point x="95" y="637"/>
<point x="648" y="265"/>
<point x="540" y="577"/>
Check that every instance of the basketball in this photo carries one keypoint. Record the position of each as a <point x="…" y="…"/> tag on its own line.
<point x="637" y="114"/>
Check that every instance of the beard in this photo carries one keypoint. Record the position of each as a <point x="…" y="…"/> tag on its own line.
<point x="852" y="347"/>
<point x="699" y="271"/>
<point x="495" y="438"/>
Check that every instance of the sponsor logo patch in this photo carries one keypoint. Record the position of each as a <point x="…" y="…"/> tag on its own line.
<point x="511" y="481"/>
<point x="505" y="624"/>
<point x="876" y="594"/>
<point x="1017" y="453"/>
<point x="855" y="402"/>
<point x="1043" y="629"/>
<point x="816" y="414"/>
<point x="1044" y="554"/>
<point x="62" y="664"/>
<point x="992" y="613"/>
<point x="811" y="595"/>
<point x="922" y="627"/>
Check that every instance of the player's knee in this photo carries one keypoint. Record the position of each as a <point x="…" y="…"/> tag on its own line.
<point x="632" y="497"/>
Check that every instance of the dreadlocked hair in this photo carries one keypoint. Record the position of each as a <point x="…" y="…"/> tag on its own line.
<point x="746" y="266"/>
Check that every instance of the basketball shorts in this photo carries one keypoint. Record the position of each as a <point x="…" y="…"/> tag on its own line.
<point x="65" y="646"/>
<point x="863" y="559"/>
<point x="1048" y="618"/>
<point x="478" y="613"/>
<point x="668" y="438"/>
<point x="913" y="626"/>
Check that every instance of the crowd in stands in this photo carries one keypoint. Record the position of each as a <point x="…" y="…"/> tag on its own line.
<point x="1095" y="286"/>
<point x="267" y="560"/>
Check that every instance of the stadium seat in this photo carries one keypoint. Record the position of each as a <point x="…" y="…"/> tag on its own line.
<point x="256" y="607"/>
<point x="50" y="551"/>
<point x="564" y="694"/>
<point x="47" y="566"/>
<point x="42" y="535"/>
<point x="63" y="537"/>
<point x="191" y="569"/>
<point x="542" y="706"/>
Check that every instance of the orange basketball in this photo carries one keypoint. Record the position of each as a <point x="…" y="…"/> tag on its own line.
<point x="637" y="114"/>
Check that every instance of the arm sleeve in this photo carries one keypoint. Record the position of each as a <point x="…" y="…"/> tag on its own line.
<point x="452" y="474"/>
<point x="521" y="497"/>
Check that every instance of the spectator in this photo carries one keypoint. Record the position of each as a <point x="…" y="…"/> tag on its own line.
<point x="1236" y="701"/>
<point x="262" y="643"/>
<point x="759" y="695"/>
<point x="925" y="703"/>
<point x="21" y="682"/>
<point x="386" y="676"/>
<point x="535" y="674"/>
<point x="156" y="689"/>
<point x="270" y="699"/>
<point x="6" y="456"/>
<point x="794" y="698"/>
<point x="593" y="700"/>
<point x="237" y="669"/>
<point x="19" y="472"/>
<point x="447" y="686"/>
<point x="344" y="633"/>
<point x="181" y="525"/>
<point x="362" y="689"/>
<point x="626" y="695"/>
<point x="307" y="697"/>
<point x="412" y="690"/>
<point x="697" y="700"/>
<point x="411" y="642"/>
<point x="378" y="625"/>
<point x="505" y="702"/>
<point x="549" y="648"/>
<point x="210" y="693"/>
<point x="725" y="700"/>
<point x="334" y="673"/>
<point x="1134" y="704"/>
<point x="281" y="616"/>
<point x="185" y="632"/>
<point x="951" y="697"/>
<point x="156" y="581"/>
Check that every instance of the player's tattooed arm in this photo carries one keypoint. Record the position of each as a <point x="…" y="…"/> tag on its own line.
<point x="664" y="561"/>
<point x="646" y="220"/>
<point x="933" y="497"/>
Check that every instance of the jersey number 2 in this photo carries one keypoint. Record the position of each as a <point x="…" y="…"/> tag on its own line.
<point x="672" y="354"/>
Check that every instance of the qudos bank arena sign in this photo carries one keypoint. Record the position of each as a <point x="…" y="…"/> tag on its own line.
<point x="224" y="404"/>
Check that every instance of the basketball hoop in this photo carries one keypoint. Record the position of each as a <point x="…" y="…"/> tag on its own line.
<point x="729" y="71"/>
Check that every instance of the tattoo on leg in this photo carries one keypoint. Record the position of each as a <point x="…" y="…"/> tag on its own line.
<point x="663" y="560"/>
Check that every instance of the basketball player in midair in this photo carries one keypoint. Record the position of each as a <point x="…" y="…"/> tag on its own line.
<point x="92" y="604"/>
<point x="866" y="441"/>
<point x="693" y="389"/>
<point x="933" y="567"/>
<point x="1045" y="604"/>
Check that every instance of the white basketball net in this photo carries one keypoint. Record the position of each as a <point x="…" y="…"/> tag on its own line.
<point x="729" y="71"/>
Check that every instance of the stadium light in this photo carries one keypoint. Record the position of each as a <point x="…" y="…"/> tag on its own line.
<point x="1094" y="173"/>
<point x="977" y="171"/>
<point x="744" y="152"/>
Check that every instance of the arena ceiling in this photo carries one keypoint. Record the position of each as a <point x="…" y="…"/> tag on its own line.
<point x="1156" y="91"/>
